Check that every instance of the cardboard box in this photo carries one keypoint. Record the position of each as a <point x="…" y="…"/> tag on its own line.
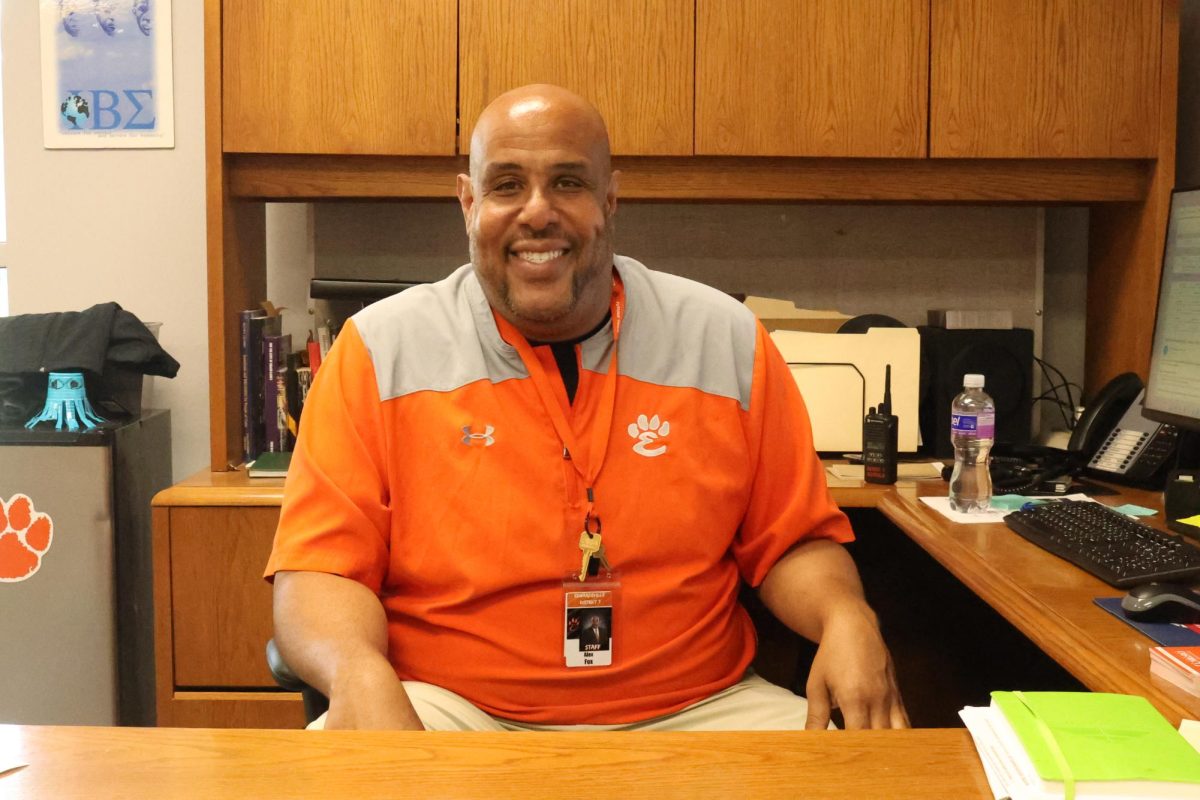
<point x="783" y="315"/>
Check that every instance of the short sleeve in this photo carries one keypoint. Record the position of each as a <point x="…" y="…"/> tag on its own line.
<point x="789" y="500"/>
<point x="335" y="514"/>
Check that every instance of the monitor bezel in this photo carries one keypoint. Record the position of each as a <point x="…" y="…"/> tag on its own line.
<point x="1170" y="418"/>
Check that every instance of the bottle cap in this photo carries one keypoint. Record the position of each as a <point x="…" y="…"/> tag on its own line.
<point x="973" y="381"/>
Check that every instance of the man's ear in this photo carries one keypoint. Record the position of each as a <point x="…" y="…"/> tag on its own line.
<point x="610" y="197"/>
<point x="466" y="195"/>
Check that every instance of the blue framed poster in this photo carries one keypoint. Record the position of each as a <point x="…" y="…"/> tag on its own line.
<point x="106" y="74"/>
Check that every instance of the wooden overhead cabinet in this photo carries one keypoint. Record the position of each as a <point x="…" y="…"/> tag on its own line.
<point x="631" y="58"/>
<point x="360" y="76"/>
<point x="1045" y="78"/>
<point x="812" y="78"/>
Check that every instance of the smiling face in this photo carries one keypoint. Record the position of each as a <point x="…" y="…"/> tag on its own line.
<point x="538" y="206"/>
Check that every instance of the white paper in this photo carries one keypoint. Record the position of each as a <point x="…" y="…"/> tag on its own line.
<point x="1190" y="730"/>
<point x="942" y="506"/>
<point x="852" y="472"/>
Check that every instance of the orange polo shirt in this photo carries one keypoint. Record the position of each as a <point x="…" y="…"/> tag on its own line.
<point x="428" y="469"/>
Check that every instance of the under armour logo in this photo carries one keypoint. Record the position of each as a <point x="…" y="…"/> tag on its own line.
<point x="485" y="438"/>
<point x="647" y="432"/>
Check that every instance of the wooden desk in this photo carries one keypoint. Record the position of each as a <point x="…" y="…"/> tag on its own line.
<point x="1043" y="596"/>
<point x="213" y="532"/>
<point x="200" y="763"/>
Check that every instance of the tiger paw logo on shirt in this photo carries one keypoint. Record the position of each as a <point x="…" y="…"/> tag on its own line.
<point x="649" y="432"/>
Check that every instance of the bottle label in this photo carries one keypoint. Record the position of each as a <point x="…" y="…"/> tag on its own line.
<point x="981" y="426"/>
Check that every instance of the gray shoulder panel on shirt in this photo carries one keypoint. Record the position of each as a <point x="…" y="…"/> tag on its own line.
<point x="688" y="334"/>
<point x="676" y="332"/>
<point x="436" y="337"/>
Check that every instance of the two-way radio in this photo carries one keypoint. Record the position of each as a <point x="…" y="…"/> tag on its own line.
<point x="881" y="429"/>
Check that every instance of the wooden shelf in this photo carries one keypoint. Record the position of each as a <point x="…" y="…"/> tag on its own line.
<point x="328" y="177"/>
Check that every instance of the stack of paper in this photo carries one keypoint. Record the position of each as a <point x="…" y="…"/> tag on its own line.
<point x="1178" y="665"/>
<point x="1037" y="745"/>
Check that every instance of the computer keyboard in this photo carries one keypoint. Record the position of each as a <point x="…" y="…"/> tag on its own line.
<point x="1106" y="543"/>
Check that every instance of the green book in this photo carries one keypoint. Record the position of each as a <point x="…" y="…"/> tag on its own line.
<point x="270" y="465"/>
<point x="1095" y="745"/>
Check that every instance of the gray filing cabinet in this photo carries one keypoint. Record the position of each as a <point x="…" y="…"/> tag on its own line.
<point x="76" y="613"/>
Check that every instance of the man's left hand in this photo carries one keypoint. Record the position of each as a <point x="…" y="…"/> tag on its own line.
<point x="853" y="671"/>
<point x="815" y="591"/>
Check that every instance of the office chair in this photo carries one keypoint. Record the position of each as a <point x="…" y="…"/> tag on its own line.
<point x="315" y="703"/>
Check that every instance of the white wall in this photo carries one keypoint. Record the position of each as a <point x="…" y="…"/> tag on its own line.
<point x="90" y="226"/>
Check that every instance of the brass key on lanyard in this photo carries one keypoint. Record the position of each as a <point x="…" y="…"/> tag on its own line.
<point x="589" y="543"/>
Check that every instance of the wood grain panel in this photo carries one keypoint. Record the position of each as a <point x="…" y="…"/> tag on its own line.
<point x="817" y="765"/>
<point x="237" y="277"/>
<point x="361" y="76"/>
<point x="631" y="58"/>
<point x="221" y="606"/>
<point x="164" y="643"/>
<point x="1125" y="246"/>
<point x="232" y="710"/>
<point x="724" y="178"/>
<point x="207" y="488"/>
<point x="812" y="77"/>
<point x="1045" y="78"/>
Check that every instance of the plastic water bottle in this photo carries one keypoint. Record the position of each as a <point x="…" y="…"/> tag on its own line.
<point x="972" y="432"/>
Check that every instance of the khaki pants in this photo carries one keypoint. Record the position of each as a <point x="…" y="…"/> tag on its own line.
<point x="751" y="704"/>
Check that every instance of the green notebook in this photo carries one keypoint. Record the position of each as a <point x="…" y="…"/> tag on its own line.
<point x="1083" y="737"/>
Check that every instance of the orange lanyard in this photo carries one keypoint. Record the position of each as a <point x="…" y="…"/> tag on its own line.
<point x="608" y="398"/>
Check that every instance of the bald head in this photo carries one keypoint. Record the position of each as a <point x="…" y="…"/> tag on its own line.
<point x="538" y="205"/>
<point x="545" y="111"/>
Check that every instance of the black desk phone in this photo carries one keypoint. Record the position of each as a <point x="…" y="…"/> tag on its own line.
<point x="1136" y="450"/>
<point x="1111" y="441"/>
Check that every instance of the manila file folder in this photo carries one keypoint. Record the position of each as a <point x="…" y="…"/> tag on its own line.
<point x="841" y="374"/>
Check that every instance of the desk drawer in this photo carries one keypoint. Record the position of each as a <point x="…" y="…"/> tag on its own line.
<point x="220" y="605"/>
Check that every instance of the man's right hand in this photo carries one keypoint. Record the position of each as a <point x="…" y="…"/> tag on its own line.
<point x="332" y="631"/>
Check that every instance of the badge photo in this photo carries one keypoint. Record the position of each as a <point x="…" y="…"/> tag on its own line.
<point x="587" y="629"/>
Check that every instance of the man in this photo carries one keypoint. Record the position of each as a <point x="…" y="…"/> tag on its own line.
<point x="473" y="448"/>
<point x="594" y="636"/>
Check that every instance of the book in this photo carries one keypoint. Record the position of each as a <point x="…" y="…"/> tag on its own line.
<point x="275" y="349"/>
<point x="252" y="323"/>
<point x="1037" y="745"/>
<point x="1177" y="665"/>
<point x="314" y="353"/>
<point x="270" y="465"/>
<point x="958" y="319"/>
<point x="247" y="395"/>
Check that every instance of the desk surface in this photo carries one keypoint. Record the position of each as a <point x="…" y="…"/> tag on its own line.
<point x="203" y="763"/>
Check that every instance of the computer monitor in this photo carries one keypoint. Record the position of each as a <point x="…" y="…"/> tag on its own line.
<point x="1173" y="391"/>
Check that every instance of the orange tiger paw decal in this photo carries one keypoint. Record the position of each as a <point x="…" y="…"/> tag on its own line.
<point x="25" y="535"/>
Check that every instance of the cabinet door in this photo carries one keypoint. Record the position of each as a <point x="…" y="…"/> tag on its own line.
<point x="812" y="77"/>
<point x="631" y="58"/>
<point x="1045" y="78"/>
<point x="220" y="604"/>
<point x="359" y="76"/>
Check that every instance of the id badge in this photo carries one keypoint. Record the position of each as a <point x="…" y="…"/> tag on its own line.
<point x="588" y="623"/>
